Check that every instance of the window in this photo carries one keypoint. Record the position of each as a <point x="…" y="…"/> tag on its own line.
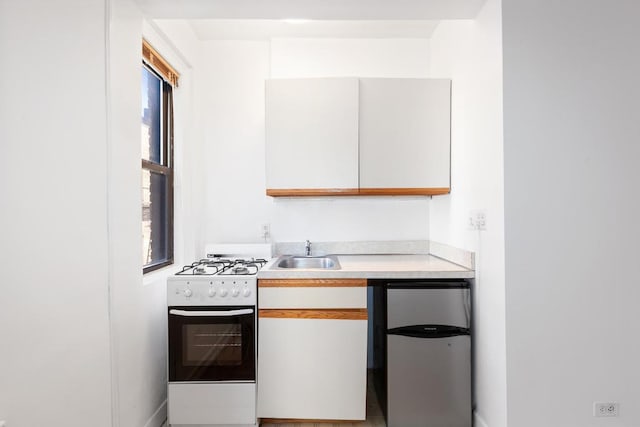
<point x="157" y="167"/>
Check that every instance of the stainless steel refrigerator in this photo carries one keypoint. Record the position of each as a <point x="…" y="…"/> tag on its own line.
<point x="428" y="354"/>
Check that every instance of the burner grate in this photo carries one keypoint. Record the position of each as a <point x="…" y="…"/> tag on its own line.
<point x="246" y="267"/>
<point x="224" y="266"/>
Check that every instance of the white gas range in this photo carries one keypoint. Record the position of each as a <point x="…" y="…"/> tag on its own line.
<point x="212" y="345"/>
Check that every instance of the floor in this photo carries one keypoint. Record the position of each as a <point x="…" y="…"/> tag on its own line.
<point x="375" y="418"/>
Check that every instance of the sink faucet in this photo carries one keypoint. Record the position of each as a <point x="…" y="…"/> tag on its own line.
<point x="307" y="248"/>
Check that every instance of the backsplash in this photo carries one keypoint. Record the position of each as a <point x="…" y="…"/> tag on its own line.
<point x="354" y="247"/>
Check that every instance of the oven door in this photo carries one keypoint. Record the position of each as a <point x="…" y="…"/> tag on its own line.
<point x="212" y="344"/>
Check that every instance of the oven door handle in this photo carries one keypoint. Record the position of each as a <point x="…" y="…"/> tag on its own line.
<point x="211" y="313"/>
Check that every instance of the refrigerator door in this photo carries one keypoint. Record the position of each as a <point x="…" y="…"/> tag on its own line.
<point x="417" y="305"/>
<point x="428" y="381"/>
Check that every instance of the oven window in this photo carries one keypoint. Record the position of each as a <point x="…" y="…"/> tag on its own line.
<point x="206" y="344"/>
<point x="212" y="345"/>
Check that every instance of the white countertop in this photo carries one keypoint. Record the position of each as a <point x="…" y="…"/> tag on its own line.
<point x="376" y="267"/>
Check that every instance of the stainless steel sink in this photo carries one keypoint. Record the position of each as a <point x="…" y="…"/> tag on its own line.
<point x="328" y="262"/>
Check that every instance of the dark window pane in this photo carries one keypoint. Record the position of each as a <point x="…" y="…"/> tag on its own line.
<point x="151" y="136"/>
<point x="155" y="218"/>
<point x="212" y="344"/>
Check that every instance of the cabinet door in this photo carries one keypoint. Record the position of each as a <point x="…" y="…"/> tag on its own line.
<point x="312" y="364"/>
<point x="312" y="134"/>
<point x="405" y="133"/>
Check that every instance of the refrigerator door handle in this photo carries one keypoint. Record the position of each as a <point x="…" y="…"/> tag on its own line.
<point x="429" y="331"/>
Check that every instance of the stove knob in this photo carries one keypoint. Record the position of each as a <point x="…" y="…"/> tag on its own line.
<point x="212" y="292"/>
<point x="246" y="292"/>
<point x="223" y="292"/>
<point x="235" y="292"/>
<point x="188" y="293"/>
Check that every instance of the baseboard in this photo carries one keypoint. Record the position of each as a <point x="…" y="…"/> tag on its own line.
<point x="478" y="421"/>
<point x="159" y="417"/>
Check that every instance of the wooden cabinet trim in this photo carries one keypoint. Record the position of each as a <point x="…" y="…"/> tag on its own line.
<point x="311" y="283"/>
<point x="312" y="192"/>
<point x="305" y="421"/>
<point x="404" y="191"/>
<point x="326" y="314"/>
<point x="297" y="192"/>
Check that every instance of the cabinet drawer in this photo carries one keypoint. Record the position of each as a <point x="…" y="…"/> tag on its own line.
<point x="312" y="294"/>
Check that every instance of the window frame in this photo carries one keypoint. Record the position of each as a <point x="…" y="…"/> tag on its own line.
<point x="167" y="166"/>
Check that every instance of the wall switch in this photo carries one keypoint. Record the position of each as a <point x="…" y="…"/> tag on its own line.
<point x="477" y="219"/>
<point x="3" y="424"/>
<point x="605" y="409"/>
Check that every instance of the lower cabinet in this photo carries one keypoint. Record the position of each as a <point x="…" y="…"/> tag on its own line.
<point x="312" y="364"/>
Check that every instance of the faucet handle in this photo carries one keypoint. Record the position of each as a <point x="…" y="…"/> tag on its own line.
<point x="307" y="247"/>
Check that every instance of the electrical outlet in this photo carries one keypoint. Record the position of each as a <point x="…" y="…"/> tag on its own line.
<point x="605" y="409"/>
<point x="477" y="219"/>
<point x="265" y="231"/>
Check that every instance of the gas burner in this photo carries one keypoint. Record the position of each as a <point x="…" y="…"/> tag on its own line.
<point x="204" y="267"/>
<point x="240" y="270"/>
<point x="241" y="267"/>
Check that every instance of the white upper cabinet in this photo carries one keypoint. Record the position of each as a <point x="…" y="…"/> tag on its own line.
<point x="354" y="136"/>
<point x="312" y="133"/>
<point x="405" y="133"/>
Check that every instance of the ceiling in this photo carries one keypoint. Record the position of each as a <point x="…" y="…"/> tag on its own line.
<point x="264" y="19"/>
<point x="312" y="9"/>
<point x="257" y="29"/>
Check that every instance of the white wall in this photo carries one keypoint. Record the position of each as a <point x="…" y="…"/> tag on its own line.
<point x="232" y="104"/>
<point x="138" y="305"/>
<point x="571" y="128"/>
<point x="83" y="337"/>
<point x="469" y="52"/>
<point x="54" y="324"/>
<point x="297" y="58"/>
<point x="138" y="308"/>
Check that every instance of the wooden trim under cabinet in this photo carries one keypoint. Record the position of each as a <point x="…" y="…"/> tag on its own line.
<point x="326" y="314"/>
<point x="311" y="283"/>
<point x="297" y="192"/>
<point x="403" y="191"/>
<point x="268" y="421"/>
<point x="312" y="192"/>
